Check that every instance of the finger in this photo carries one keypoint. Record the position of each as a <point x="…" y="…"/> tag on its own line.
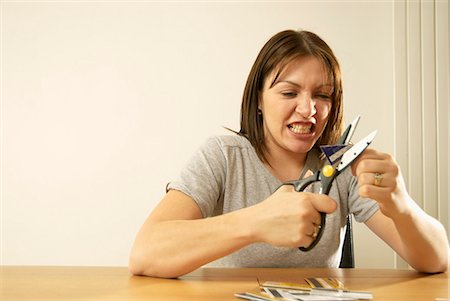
<point x="311" y="230"/>
<point x="373" y="166"/>
<point x="360" y="158"/>
<point x="305" y="235"/>
<point x="307" y="241"/>
<point x="369" y="178"/>
<point x="307" y="238"/>
<point x="286" y="188"/>
<point x="376" y="193"/>
<point x="308" y="173"/>
<point x="368" y="154"/>
<point x="310" y="238"/>
<point x="322" y="203"/>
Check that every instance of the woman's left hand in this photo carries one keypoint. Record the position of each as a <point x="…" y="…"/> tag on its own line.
<point x="379" y="178"/>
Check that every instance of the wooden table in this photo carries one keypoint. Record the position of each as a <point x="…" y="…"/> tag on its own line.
<point x="116" y="283"/>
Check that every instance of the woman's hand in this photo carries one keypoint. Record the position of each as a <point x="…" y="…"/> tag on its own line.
<point x="289" y="218"/>
<point x="380" y="179"/>
<point x="416" y="236"/>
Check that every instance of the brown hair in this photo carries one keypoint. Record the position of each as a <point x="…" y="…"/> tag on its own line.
<point x="277" y="53"/>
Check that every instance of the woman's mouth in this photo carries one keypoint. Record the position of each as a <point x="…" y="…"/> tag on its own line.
<point x="301" y="128"/>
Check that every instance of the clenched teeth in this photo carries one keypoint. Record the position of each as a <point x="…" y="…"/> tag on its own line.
<point x="300" y="128"/>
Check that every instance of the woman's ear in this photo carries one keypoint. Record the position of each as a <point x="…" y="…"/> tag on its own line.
<point x="259" y="102"/>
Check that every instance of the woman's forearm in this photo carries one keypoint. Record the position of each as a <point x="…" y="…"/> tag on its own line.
<point x="424" y="241"/>
<point x="175" y="247"/>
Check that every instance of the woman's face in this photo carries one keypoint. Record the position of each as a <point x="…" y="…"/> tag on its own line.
<point x="296" y="107"/>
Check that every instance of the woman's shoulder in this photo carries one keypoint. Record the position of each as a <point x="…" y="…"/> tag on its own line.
<point x="229" y="141"/>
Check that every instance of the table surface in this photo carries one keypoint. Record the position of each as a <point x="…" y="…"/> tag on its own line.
<point x="116" y="283"/>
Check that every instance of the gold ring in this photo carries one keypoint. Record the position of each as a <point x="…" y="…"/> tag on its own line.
<point x="316" y="231"/>
<point x="377" y="178"/>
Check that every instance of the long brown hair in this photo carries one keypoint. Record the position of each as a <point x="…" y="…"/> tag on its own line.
<point x="279" y="51"/>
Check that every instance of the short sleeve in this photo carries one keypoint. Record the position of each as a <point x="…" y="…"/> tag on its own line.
<point x="203" y="177"/>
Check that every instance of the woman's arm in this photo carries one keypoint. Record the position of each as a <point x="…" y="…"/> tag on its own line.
<point x="175" y="239"/>
<point x="417" y="237"/>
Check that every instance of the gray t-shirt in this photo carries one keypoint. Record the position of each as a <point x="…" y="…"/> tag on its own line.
<point x="225" y="175"/>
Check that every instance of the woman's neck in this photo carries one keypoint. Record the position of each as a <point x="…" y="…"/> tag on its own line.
<point x="286" y="167"/>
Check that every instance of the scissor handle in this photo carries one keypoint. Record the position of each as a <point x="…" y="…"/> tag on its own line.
<point x="326" y="176"/>
<point x="301" y="184"/>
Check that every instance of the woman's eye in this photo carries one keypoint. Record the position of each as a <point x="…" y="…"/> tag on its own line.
<point x="289" y="94"/>
<point x="323" y="96"/>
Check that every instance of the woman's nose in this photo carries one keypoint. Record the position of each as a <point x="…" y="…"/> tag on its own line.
<point x="306" y="106"/>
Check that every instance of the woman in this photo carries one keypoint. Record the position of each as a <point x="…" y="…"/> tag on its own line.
<point x="229" y="206"/>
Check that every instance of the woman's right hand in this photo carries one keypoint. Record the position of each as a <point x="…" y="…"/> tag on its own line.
<point x="288" y="218"/>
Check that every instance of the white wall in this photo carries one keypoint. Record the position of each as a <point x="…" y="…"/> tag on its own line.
<point x="103" y="102"/>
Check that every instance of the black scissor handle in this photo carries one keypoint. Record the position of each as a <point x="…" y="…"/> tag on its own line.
<point x="301" y="184"/>
<point x="326" y="177"/>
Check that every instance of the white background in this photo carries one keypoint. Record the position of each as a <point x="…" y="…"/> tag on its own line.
<point x="104" y="102"/>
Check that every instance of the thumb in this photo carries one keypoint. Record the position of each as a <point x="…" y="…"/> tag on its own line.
<point x="323" y="203"/>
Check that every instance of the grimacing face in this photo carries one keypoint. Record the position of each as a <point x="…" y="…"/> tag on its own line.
<point x="296" y="107"/>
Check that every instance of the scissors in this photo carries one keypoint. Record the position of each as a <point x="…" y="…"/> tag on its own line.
<point x="325" y="176"/>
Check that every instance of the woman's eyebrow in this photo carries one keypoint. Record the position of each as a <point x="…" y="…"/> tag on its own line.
<point x="286" y="81"/>
<point x="326" y="85"/>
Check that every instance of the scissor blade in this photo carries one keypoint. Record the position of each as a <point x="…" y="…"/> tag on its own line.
<point x="355" y="151"/>
<point x="353" y="125"/>
<point x="348" y="133"/>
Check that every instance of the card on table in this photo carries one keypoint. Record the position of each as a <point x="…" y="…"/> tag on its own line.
<point x="315" y="289"/>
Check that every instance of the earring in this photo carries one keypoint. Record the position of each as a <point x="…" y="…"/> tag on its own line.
<point x="259" y="112"/>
